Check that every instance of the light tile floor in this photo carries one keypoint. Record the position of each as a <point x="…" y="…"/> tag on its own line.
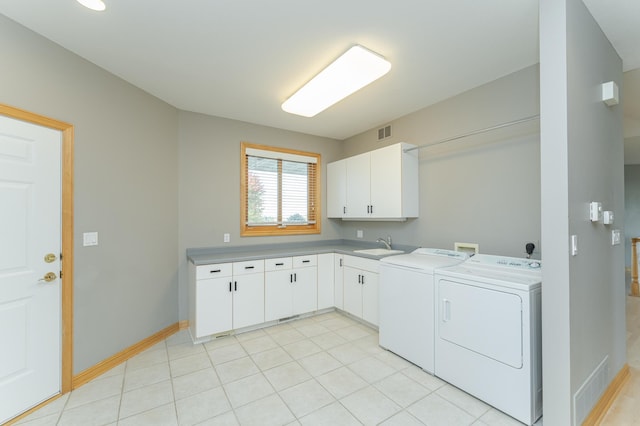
<point x="321" y="370"/>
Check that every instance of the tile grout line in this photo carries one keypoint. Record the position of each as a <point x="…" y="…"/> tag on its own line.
<point x="226" y="395"/>
<point x="173" y="390"/>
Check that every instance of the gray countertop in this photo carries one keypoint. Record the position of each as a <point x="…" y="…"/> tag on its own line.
<point x="221" y="254"/>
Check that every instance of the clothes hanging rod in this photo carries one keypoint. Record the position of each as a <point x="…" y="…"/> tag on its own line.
<point x="475" y="132"/>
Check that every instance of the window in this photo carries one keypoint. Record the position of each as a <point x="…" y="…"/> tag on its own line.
<point x="280" y="191"/>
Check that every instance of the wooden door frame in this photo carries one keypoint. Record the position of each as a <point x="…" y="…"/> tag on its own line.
<point x="66" y="130"/>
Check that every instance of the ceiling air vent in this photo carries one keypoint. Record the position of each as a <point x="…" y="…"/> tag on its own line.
<point x="384" y="132"/>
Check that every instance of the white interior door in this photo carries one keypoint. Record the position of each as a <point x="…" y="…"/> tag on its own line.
<point x="30" y="229"/>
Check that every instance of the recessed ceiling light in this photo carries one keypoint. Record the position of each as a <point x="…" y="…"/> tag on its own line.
<point x="93" y="4"/>
<point x="356" y="68"/>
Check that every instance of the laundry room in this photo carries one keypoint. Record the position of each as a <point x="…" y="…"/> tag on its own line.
<point x="154" y="195"/>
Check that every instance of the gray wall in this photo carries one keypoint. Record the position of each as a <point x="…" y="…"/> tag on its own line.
<point x="125" y="188"/>
<point x="209" y="188"/>
<point x="482" y="189"/>
<point x="583" y="296"/>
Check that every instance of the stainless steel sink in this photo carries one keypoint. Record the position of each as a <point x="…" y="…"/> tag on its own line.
<point x="378" y="251"/>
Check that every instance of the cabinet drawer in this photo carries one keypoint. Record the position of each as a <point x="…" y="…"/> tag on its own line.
<point x="213" y="271"/>
<point x="277" y="264"/>
<point x="305" y="261"/>
<point x="362" y="263"/>
<point x="249" y="267"/>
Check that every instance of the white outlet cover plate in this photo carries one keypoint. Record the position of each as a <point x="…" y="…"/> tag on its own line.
<point x="90" y="239"/>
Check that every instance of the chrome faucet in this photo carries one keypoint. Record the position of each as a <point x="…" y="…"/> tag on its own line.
<point x="387" y="242"/>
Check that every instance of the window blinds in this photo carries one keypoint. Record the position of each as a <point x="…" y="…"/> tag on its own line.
<point x="280" y="188"/>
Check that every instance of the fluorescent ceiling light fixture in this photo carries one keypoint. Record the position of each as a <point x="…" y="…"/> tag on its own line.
<point x="356" y="68"/>
<point x="93" y="4"/>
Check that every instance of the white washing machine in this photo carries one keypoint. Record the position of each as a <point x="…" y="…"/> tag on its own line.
<point x="406" y="303"/>
<point x="488" y="332"/>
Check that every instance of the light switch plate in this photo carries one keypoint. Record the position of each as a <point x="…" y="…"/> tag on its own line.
<point x="90" y="239"/>
<point x="615" y="237"/>
<point x="359" y="233"/>
<point x="226" y="238"/>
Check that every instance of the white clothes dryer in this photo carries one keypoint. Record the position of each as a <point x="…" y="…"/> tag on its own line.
<point x="488" y="332"/>
<point x="406" y="303"/>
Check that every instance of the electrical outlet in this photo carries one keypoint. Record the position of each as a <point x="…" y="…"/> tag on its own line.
<point x="90" y="239"/>
<point x="227" y="237"/>
<point x="359" y="233"/>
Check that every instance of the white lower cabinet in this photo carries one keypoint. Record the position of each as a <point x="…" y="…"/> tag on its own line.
<point x="291" y="286"/>
<point x="248" y="293"/>
<point x="326" y="277"/>
<point x="225" y="296"/>
<point x="213" y="302"/>
<point x="361" y="288"/>
<point x="235" y="295"/>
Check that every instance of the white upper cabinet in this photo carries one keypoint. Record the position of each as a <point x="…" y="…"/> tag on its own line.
<point x="377" y="185"/>
<point x="337" y="188"/>
<point x="358" y="186"/>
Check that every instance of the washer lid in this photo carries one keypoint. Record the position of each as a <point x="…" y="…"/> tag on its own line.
<point x="509" y="272"/>
<point x="426" y="259"/>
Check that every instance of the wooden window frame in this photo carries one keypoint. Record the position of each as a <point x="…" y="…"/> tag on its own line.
<point x="262" y="231"/>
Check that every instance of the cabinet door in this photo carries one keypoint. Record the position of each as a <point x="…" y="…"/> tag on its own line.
<point x="325" y="280"/>
<point x="353" y="291"/>
<point x="338" y="281"/>
<point x="337" y="189"/>
<point x="248" y="300"/>
<point x="386" y="182"/>
<point x="305" y="290"/>
<point x="358" y="186"/>
<point x="370" y="297"/>
<point x="213" y="306"/>
<point x="278" y="300"/>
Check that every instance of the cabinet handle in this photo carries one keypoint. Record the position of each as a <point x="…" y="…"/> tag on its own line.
<point x="306" y="261"/>
<point x="341" y="263"/>
<point x="249" y="267"/>
<point x="229" y="286"/>
<point x="214" y="271"/>
<point x="359" y="278"/>
<point x="279" y="264"/>
<point x="344" y="210"/>
<point x="363" y="280"/>
<point x="290" y="278"/>
<point x="235" y="285"/>
<point x="372" y="209"/>
<point x="295" y="277"/>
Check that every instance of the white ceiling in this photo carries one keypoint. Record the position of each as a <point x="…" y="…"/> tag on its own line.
<point x="241" y="59"/>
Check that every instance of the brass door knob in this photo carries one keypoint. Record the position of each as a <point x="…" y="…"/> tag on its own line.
<point x="50" y="258"/>
<point x="48" y="277"/>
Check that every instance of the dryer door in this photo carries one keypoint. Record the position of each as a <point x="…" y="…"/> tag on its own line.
<point x="485" y="321"/>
